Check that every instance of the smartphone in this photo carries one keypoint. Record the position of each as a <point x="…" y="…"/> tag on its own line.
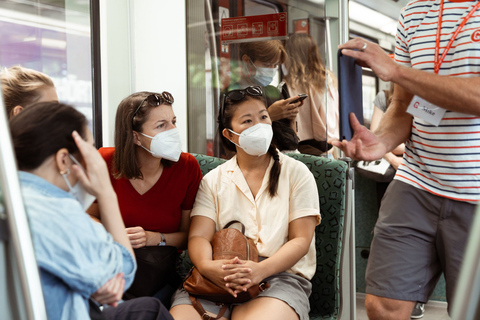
<point x="302" y="96"/>
<point x="350" y="93"/>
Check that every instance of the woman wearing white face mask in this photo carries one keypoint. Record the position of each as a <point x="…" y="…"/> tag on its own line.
<point x="155" y="181"/>
<point x="77" y="257"/>
<point x="275" y="197"/>
<point x="259" y="67"/>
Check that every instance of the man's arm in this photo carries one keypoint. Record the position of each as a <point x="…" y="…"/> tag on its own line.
<point x="451" y="93"/>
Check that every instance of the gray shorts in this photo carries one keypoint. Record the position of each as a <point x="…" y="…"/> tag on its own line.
<point x="418" y="236"/>
<point x="290" y="288"/>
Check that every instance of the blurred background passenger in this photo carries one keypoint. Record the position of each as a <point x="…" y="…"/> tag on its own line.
<point x="155" y="181"/>
<point x="22" y="86"/>
<point x="318" y="119"/>
<point x="259" y="67"/>
<point x="61" y="174"/>
<point x="381" y="103"/>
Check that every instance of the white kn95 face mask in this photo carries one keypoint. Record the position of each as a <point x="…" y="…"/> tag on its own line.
<point x="255" y="140"/>
<point x="166" y="145"/>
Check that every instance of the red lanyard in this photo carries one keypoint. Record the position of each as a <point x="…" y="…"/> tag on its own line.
<point x="438" y="62"/>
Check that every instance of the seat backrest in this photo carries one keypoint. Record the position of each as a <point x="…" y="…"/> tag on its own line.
<point x="330" y="177"/>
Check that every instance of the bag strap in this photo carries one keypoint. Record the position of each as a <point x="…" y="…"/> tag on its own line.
<point x="201" y="311"/>
<point x="235" y="221"/>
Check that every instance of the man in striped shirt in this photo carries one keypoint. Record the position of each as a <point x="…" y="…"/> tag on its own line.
<point x="425" y="215"/>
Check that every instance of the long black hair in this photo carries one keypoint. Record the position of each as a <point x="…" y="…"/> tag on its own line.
<point x="225" y="122"/>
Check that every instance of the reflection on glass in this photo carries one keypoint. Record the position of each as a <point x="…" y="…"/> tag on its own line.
<point x="305" y="73"/>
<point x="216" y="67"/>
<point x="52" y="37"/>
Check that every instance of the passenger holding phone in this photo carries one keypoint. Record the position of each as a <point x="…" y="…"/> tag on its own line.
<point x="317" y="120"/>
<point x="260" y="61"/>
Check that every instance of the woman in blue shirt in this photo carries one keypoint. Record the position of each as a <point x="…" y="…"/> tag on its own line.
<point x="79" y="259"/>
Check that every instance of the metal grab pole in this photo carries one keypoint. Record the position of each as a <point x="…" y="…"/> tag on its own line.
<point x="18" y="226"/>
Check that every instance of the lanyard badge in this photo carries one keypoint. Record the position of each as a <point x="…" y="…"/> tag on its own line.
<point x="420" y="107"/>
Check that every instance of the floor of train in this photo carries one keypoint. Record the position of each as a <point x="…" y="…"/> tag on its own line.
<point x="434" y="310"/>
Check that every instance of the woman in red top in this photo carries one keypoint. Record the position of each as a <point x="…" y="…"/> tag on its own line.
<point x="155" y="182"/>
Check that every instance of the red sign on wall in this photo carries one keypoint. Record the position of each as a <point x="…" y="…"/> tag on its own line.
<point x="254" y="28"/>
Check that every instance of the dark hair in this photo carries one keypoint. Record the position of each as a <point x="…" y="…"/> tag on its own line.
<point x="225" y="122"/>
<point x="42" y="129"/>
<point x="124" y="159"/>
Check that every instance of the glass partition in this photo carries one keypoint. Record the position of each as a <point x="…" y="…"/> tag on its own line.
<point x="52" y="37"/>
<point x="251" y="49"/>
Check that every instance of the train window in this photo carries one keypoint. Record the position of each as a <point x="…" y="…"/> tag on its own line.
<point x="53" y="37"/>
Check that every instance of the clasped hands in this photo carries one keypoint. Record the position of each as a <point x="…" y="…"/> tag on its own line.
<point x="235" y="275"/>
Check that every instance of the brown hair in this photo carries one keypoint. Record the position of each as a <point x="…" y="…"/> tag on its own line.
<point x="124" y="159"/>
<point x="42" y="129"/>
<point x="265" y="51"/>
<point x="305" y="67"/>
<point x="22" y="86"/>
<point x="225" y="122"/>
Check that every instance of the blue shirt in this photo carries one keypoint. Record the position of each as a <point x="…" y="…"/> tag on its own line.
<point x="76" y="255"/>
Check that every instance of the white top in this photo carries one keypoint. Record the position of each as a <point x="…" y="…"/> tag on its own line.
<point x="224" y="195"/>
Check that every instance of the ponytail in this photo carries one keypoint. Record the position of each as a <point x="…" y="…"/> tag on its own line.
<point x="274" y="172"/>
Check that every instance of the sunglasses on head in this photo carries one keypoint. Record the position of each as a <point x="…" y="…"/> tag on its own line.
<point x="239" y="95"/>
<point x="155" y="100"/>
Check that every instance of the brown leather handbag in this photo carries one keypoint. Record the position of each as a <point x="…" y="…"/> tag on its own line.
<point x="227" y="243"/>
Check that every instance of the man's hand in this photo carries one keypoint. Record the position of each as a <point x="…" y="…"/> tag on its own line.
<point x="364" y="145"/>
<point x="373" y="56"/>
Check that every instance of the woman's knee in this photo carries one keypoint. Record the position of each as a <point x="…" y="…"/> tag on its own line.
<point x="264" y="308"/>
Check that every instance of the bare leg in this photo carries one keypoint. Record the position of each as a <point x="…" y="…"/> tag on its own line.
<point x="264" y="308"/>
<point x="187" y="312"/>
<point x="379" y="308"/>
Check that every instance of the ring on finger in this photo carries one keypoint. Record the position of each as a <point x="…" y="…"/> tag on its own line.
<point x="364" y="47"/>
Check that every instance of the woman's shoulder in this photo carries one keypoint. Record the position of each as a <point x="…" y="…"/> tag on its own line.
<point x="187" y="160"/>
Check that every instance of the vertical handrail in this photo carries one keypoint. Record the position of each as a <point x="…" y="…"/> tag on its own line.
<point x="337" y="12"/>
<point x="214" y="54"/>
<point x="18" y="226"/>
<point x="328" y="39"/>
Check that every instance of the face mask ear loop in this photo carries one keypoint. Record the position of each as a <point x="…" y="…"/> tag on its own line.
<point x="231" y="140"/>
<point x="143" y="134"/>
<point x="64" y="174"/>
<point x="146" y="149"/>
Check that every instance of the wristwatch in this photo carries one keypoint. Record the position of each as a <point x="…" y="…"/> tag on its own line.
<point x="163" y="242"/>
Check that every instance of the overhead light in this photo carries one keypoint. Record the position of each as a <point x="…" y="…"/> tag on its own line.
<point x="372" y="18"/>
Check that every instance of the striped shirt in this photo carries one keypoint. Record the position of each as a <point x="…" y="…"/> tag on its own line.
<point x="443" y="160"/>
